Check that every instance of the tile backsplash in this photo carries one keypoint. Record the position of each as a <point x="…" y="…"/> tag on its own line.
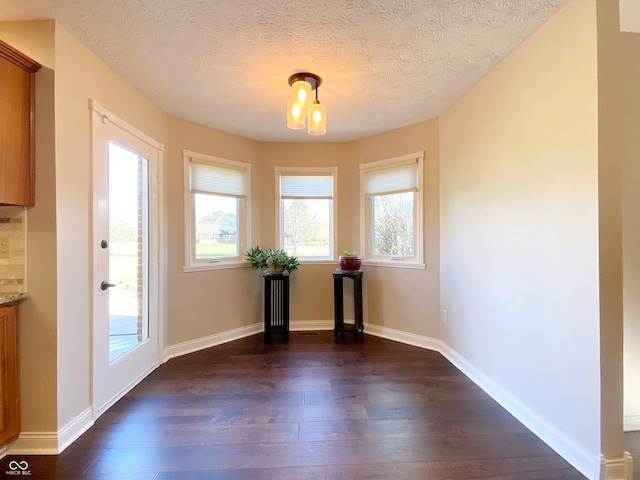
<point x="13" y="269"/>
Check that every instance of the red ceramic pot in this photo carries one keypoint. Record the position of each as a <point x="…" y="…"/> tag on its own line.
<point x="349" y="263"/>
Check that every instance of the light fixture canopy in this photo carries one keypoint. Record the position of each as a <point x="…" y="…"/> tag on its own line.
<point x="301" y="108"/>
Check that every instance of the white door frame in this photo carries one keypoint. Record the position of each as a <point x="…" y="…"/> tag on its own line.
<point x="156" y="273"/>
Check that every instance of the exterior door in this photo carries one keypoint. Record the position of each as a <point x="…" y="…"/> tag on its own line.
<point x="125" y="279"/>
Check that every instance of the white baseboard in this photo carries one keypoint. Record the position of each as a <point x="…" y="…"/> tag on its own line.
<point x="403" y="337"/>
<point x="617" y="468"/>
<point x="587" y="463"/>
<point x="301" y="326"/>
<point x="74" y="429"/>
<point x="210" y="341"/>
<point x="52" y="443"/>
<point x="631" y="423"/>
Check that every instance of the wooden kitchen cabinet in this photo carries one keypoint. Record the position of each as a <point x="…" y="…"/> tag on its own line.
<point x="9" y="374"/>
<point x="17" y="127"/>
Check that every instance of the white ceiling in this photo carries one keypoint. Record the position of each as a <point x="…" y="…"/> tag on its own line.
<point x="384" y="63"/>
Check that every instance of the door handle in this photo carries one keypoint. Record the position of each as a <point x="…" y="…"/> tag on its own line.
<point x="104" y="285"/>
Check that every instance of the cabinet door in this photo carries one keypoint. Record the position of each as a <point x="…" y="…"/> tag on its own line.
<point x="17" y="166"/>
<point x="9" y="375"/>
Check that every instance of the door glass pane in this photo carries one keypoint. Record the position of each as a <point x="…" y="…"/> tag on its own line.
<point x="128" y="250"/>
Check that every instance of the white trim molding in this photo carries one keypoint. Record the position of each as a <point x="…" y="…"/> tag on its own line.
<point x="191" y="346"/>
<point x="308" y="325"/>
<point x="403" y="337"/>
<point x="72" y="431"/>
<point x="616" y="468"/>
<point x="52" y="443"/>
<point x="109" y="117"/>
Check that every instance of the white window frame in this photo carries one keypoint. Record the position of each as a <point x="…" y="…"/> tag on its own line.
<point x="333" y="221"/>
<point x="191" y="264"/>
<point x="366" y="216"/>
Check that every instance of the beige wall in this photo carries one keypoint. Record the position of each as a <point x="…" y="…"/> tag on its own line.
<point x="79" y="76"/>
<point x="610" y="171"/>
<point x="311" y="286"/>
<point x="631" y="228"/>
<point x="404" y="299"/>
<point x="519" y="219"/>
<point x="212" y="302"/>
<point x="200" y="304"/>
<point x="38" y="320"/>
<point x="55" y="320"/>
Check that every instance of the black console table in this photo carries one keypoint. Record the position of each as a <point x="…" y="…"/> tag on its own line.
<point x="338" y="301"/>
<point x="276" y="305"/>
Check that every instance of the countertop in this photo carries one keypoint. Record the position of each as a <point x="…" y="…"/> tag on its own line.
<point x="6" y="298"/>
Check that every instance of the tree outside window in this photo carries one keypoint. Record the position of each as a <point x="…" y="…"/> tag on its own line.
<point x="393" y="224"/>
<point x="307" y="211"/>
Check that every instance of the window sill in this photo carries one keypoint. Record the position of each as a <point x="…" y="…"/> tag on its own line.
<point x="214" y="266"/>
<point x="394" y="264"/>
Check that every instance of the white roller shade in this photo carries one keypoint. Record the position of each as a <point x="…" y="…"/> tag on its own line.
<point x="306" y="186"/>
<point x="397" y="179"/>
<point x="207" y="178"/>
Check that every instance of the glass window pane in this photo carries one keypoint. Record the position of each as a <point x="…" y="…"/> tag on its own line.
<point x="393" y="224"/>
<point x="128" y="250"/>
<point x="307" y="227"/>
<point x="216" y="226"/>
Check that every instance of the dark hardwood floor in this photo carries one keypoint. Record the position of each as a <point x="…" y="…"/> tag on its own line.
<point x="306" y="409"/>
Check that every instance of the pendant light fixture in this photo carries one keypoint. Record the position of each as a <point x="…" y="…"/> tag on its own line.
<point x="301" y="110"/>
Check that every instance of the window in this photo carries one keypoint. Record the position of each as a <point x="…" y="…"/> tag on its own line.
<point x="391" y="206"/>
<point x="306" y="213"/>
<point x="216" y="211"/>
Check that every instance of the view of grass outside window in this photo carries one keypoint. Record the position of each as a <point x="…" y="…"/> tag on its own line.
<point x="306" y="227"/>
<point x="218" y="202"/>
<point x="125" y="170"/>
<point x="393" y="224"/>
<point x="216" y="225"/>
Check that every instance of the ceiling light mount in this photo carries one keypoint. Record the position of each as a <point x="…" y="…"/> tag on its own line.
<point x="311" y="78"/>
<point x="301" y="109"/>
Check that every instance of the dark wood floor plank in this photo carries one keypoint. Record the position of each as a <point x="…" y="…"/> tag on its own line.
<point x="291" y="473"/>
<point x="307" y="409"/>
<point x="368" y="451"/>
<point x="427" y="409"/>
<point x="189" y="435"/>
<point x="408" y="428"/>
<point x="533" y="468"/>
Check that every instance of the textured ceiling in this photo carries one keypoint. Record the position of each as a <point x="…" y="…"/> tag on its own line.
<point x="384" y="64"/>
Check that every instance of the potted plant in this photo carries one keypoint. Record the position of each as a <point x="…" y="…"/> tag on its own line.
<point x="275" y="261"/>
<point x="349" y="261"/>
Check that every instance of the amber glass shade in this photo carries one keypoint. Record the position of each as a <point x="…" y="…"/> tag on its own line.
<point x="317" y="119"/>
<point x="295" y="118"/>
<point x="301" y="93"/>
